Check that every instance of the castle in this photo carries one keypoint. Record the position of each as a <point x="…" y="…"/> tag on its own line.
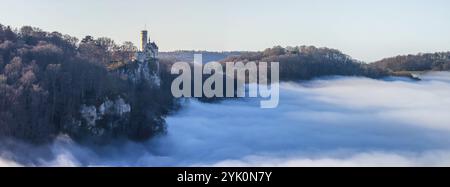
<point x="146" y="62"/>
<point x="148" y="51"/>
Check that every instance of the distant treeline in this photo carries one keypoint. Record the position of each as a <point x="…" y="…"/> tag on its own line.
<point x="188" y="56"/>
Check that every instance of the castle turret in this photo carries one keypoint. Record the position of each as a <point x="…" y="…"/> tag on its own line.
<point x="149" y="49"/>
<point x="144" y="40"/>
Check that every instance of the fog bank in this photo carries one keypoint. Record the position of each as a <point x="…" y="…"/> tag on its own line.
<point x="334" y="121"/>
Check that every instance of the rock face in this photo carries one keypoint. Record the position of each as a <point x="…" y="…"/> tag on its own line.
<point x="99" y="123"/>
<point x="141" y="71"/>
<point x="116" y="109"/>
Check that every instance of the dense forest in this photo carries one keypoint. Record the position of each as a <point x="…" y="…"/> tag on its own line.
<point x="53" y="84"/>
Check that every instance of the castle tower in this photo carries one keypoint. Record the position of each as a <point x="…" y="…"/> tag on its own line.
<point x="144" y="40"/>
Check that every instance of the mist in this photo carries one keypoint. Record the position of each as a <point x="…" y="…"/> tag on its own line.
<point x="331" y="121"/>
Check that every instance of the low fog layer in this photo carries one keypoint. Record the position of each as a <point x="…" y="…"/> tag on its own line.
<point x="336" y="121"/>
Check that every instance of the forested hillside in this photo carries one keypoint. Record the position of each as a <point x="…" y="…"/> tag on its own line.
<point x="420" y="62"/>
<point x="307" y="62"/>
<point x="53" y="84"/>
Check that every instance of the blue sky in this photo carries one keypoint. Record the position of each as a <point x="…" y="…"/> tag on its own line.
<point x="366" y="30"/>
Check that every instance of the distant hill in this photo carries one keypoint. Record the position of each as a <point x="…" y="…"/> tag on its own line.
<point x="419" y="62"/>
<point x="188" y="56"/>
<point x="307" y="62"/>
